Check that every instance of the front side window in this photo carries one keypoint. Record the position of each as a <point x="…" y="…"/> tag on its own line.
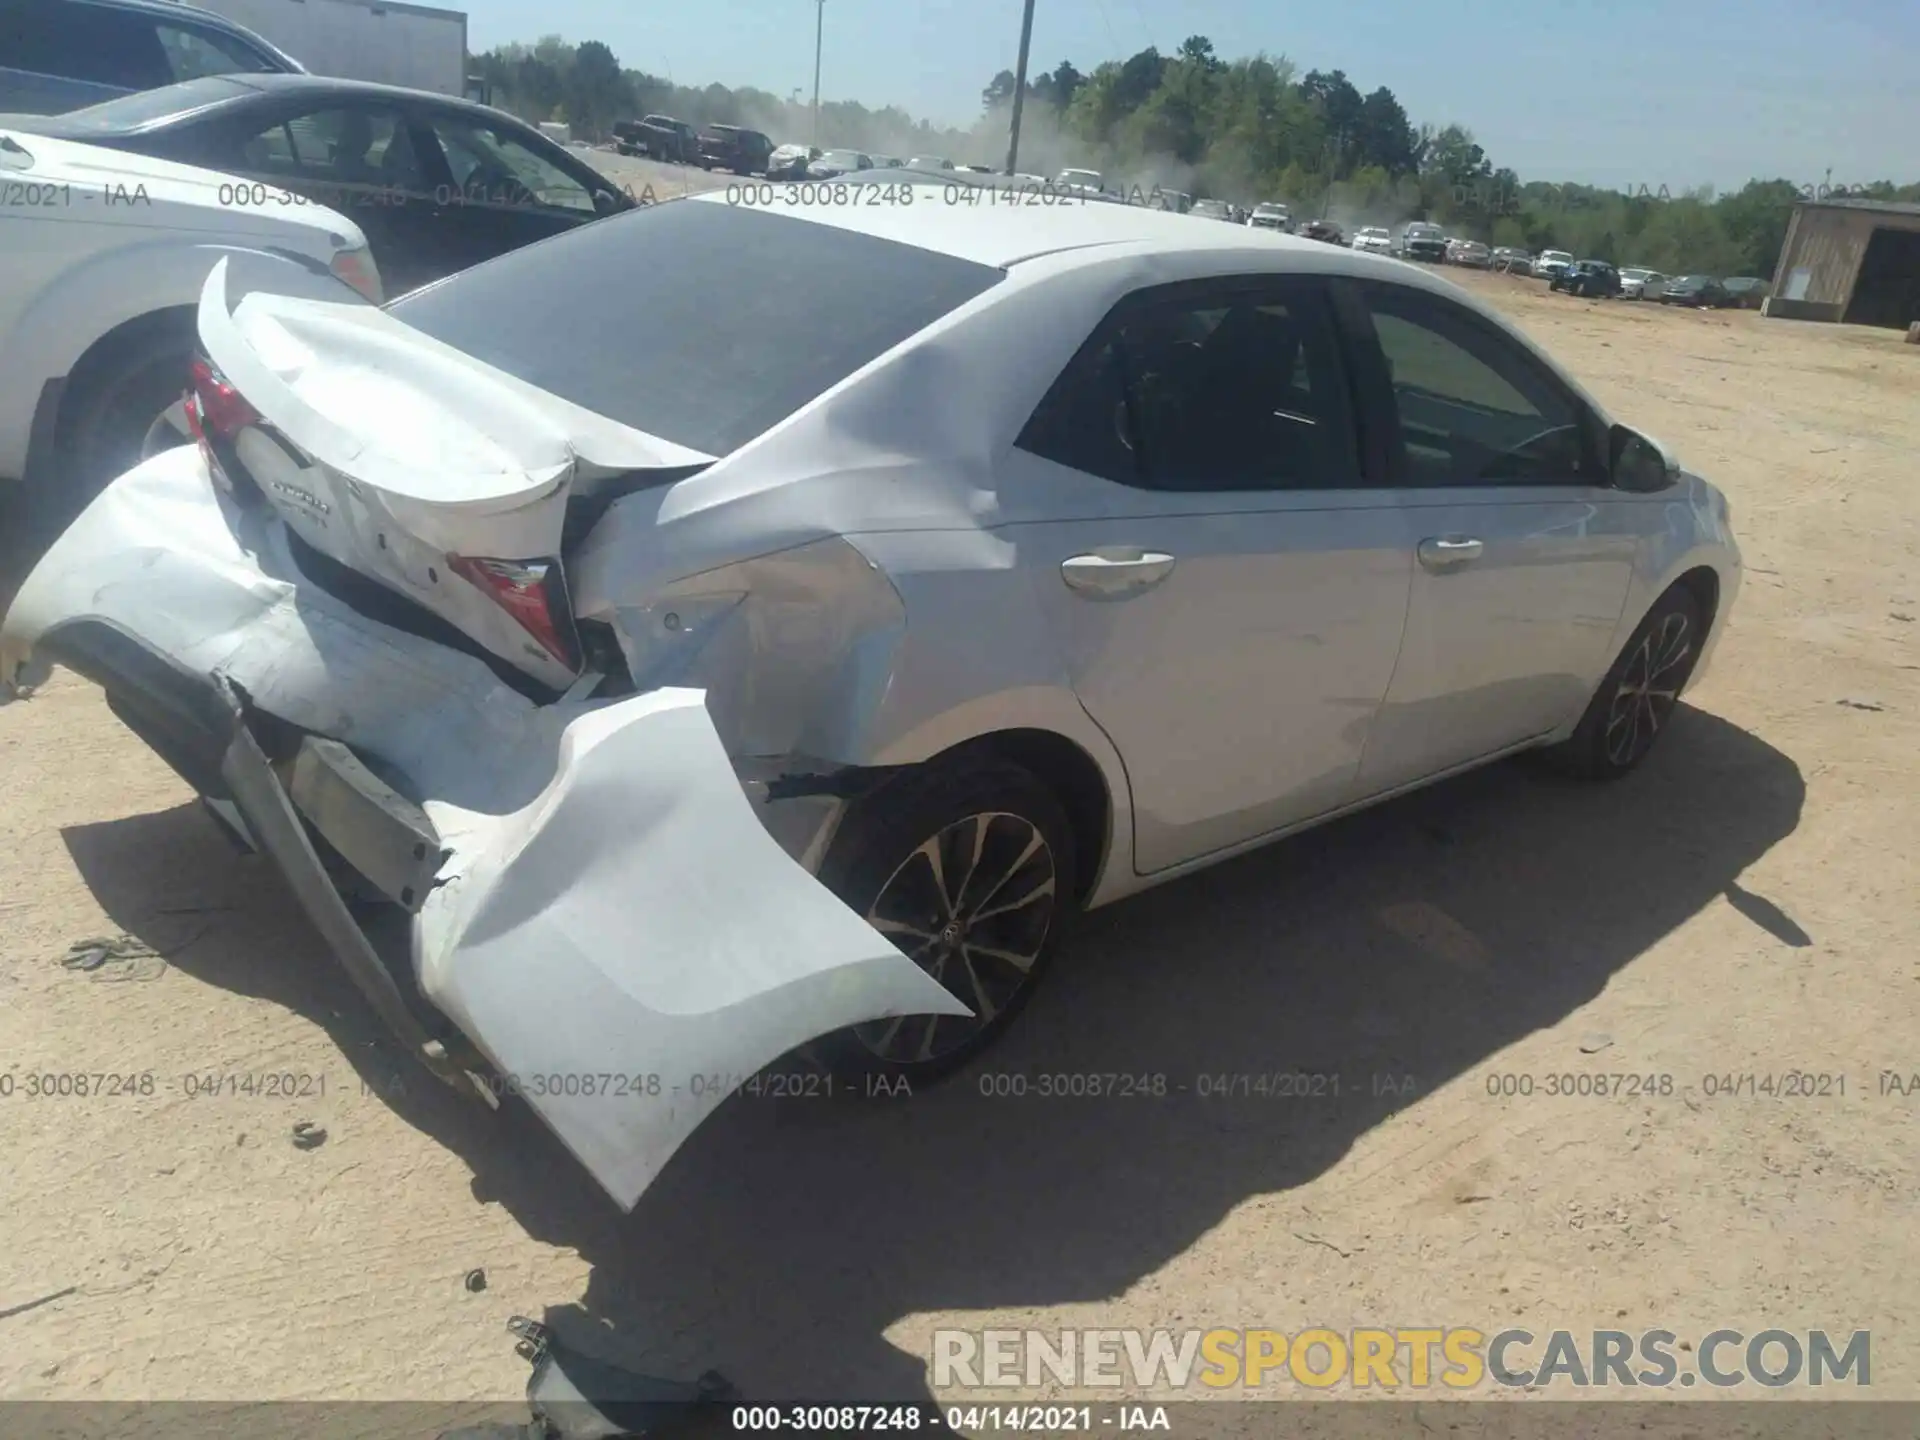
<point x="1207" y="388"/>
<point x="1474" y="407"/>
<point x="492" y="166"/>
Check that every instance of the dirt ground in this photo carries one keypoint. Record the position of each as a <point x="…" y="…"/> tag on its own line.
<point x="1743" y="906"/>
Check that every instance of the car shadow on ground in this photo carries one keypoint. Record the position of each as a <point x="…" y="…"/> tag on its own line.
<point x="1417" y="939"/>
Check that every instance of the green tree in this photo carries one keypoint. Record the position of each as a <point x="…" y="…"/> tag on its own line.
<point x="1244" y="129"/>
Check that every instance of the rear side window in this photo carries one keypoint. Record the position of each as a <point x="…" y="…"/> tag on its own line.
<point x="703" y="324"/>
<point x="351" y="146"/>
<point x="1207" y="388"/>
<point x="194" y="53"/>
<point x="95" y="43"/>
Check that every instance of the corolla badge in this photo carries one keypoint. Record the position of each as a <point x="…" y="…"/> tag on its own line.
<point x="303" y="497"/>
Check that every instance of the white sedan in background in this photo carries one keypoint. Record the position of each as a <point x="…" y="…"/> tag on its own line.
<point x="1637" y="282"/>
<point x="105" y="254"/>
<point x="683" y="712"/>
<point x="1372" y="239"/>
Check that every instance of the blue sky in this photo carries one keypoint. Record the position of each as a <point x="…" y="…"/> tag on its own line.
<point x="1625" y="93"/>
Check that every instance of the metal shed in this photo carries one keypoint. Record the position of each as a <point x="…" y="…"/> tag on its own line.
<point x="1855" y="261"/>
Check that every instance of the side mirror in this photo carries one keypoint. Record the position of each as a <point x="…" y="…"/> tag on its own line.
<point x="1641" y="464"/>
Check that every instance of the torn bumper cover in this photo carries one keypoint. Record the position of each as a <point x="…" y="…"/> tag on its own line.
<point x="590" y="896"/>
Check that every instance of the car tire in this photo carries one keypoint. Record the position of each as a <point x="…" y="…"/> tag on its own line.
<point x="1635" y="703"/>
<point x="112" y="402"/>
<point x="880" y="865"/>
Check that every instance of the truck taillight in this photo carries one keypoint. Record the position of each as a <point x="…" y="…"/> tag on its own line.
<point x="534" y="593"/>
<point x="356" y="267"/>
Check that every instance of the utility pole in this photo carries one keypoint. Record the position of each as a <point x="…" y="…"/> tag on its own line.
<point x="1335" y="144"/>
<point x="819" y="32"/>
<point x="1020" y="88"/>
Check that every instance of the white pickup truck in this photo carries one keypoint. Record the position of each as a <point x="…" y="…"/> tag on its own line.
<point x="106" y="255"/>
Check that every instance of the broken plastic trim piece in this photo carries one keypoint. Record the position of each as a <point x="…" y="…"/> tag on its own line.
<point x="276" y="827"/>
<point x="573" y="1396"/>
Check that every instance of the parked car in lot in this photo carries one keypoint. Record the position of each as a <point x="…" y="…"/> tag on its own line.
<point x="1703" y="291"/>
<point x="929" y="162"/>
<point x="1637" y="282"/>
<point x="730" y="147"/>
<point x="1595" y="279"/>
<point x="632" y="820"/>
<point x="1374" y="239"/>
<point x="672" y="141"/>
<point x="1473" y="255"/>
<point x="1071" y="179"/>
<point x="1420" y="240"/>
<point x="888" y="162"/>
<point x="106" y="253"/>
<point x="436" y="183"/>
<point x="1323" y="230"/>
<point x="1271" y="215"/>
<point x="1549" y="263"/>
<point x="835" y="163"/>
<point x="60" y="55"/>
<point x="1511" y="261"/>
<point x="1212" y="210"/>
<point x="790" y="162"/>
<point x="1748" y="292"/>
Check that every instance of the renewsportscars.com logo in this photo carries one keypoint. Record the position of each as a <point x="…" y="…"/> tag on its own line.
<point x="1416" y="1358"/>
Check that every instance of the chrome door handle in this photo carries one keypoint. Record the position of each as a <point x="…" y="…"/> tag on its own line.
<point x="1447" y="552"/>
<point x="1115" y="572"/>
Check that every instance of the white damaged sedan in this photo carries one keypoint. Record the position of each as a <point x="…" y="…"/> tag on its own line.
<point x="704" y="666"/>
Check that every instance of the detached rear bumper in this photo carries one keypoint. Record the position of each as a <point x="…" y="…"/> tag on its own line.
<point x="592" y="901"/>
<point x="199" y="725"/>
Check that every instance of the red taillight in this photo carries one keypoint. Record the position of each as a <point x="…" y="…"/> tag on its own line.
<point x="533" y="592"/>
<point x="215" y="405"/>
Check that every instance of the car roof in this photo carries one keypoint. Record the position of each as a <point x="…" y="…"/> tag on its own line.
<point x="172" y="9"/>
<point x="1003" y="235"/>
<point x="242" y="91"/>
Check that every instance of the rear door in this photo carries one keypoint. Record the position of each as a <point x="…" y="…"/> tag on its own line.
<point x="359" y="158"/>
<point x="1226" y="583"/>
<point x="1523" y="551"/>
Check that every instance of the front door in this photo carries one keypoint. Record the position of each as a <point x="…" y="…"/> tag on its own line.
<point x="1225" y="591"/>
<point x="1523" y="553"/>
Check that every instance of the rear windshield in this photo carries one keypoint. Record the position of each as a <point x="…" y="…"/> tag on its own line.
<point x="684" y="319"/>
<point x="145" y="107"/>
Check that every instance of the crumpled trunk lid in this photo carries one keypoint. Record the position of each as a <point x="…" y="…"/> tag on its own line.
<point x="389" y="452"/>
